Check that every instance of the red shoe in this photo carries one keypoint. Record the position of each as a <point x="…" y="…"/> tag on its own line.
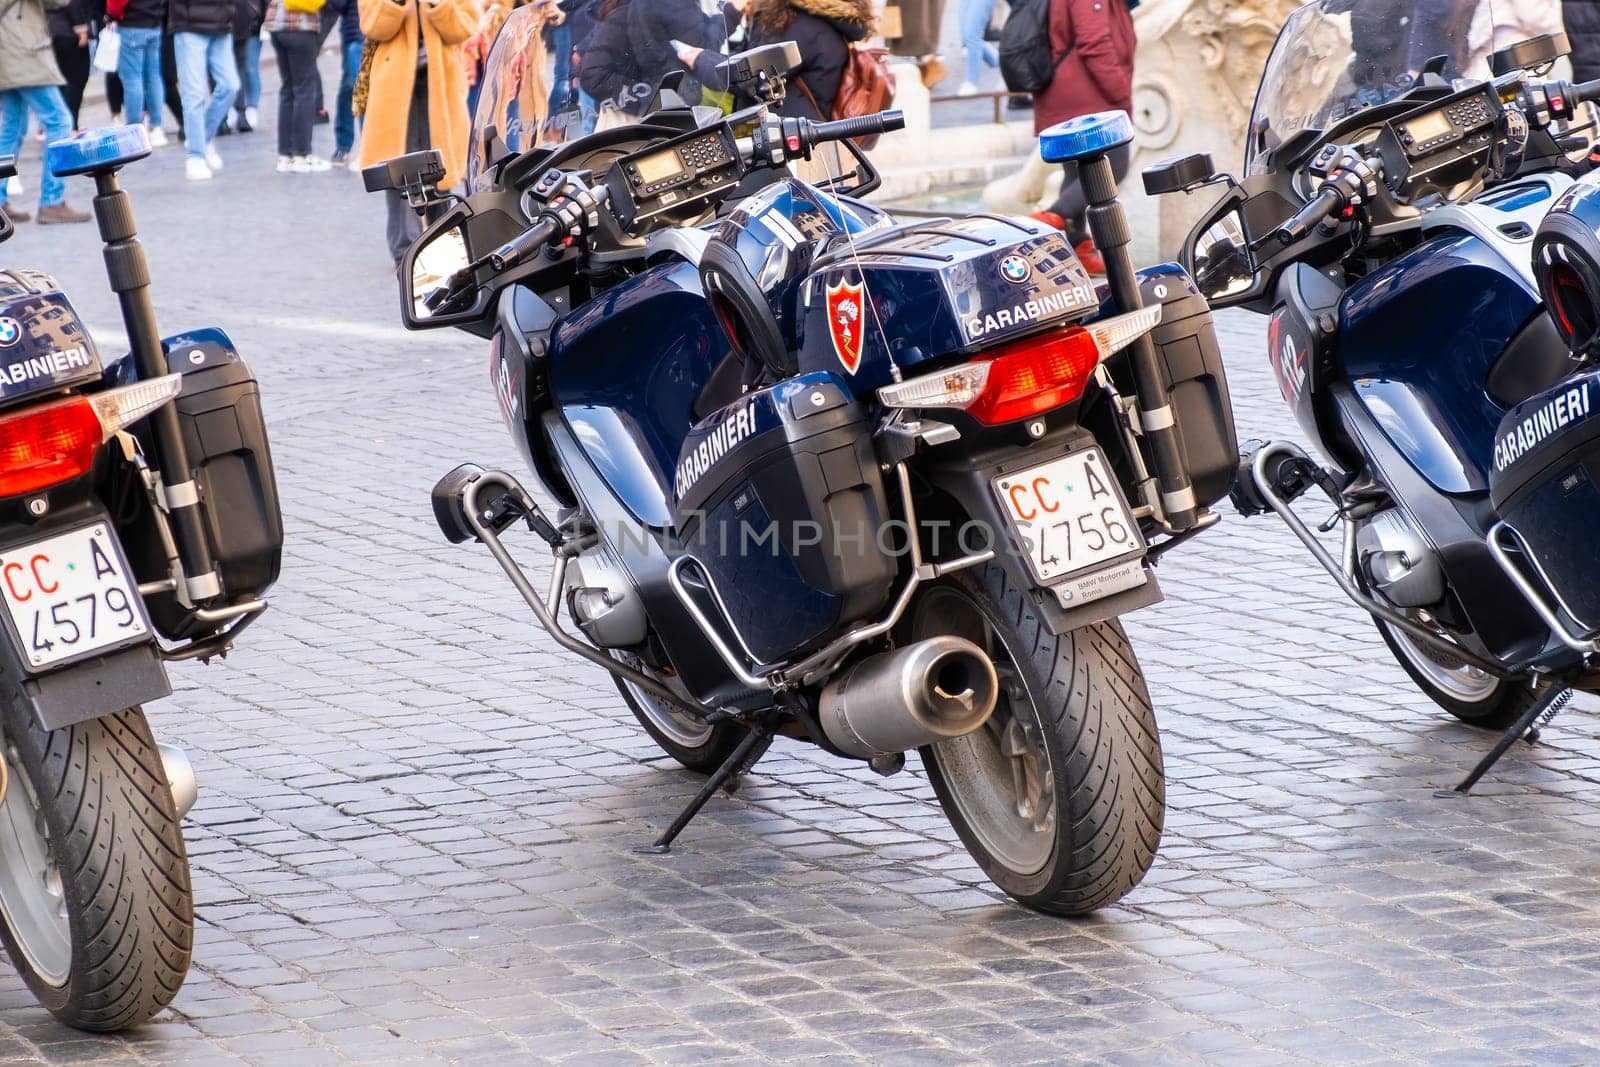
<point x="1089" y="256"/>
<point x="1049" y="218"/>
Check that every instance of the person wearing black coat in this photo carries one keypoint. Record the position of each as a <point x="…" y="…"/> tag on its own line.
<point x="654" y="26"/>
<point x="1582" y="18"/>
<point x="70" y="30"/>
<point x="824" y="30"/>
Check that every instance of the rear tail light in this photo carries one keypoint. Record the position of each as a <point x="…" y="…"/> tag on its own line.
<point x="56" y="442"/>
<point x="1026" y="377"/>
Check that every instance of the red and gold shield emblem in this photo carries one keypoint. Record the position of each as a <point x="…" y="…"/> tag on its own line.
<point x="846" y="322"/>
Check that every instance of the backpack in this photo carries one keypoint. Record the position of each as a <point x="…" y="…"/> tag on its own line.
<point x="1026" y="62"/>
<point x="865" y="88"/>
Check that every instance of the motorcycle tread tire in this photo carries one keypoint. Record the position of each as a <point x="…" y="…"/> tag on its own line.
<point x="702" y="759"/>
<point x="114" y="834"/>
<point x="1104" y="724"/>
<point x="1494" y="714"/>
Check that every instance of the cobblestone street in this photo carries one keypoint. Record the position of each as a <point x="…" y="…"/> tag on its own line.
<point x="415" y="832"/>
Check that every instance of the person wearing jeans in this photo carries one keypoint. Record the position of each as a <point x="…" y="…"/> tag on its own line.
<point x="980" y="53"/>
<point x="31" y="81"/>
<point x="202" y="42"/>
<point x="248" y="16"/>
<point x="295" y="35"/>
<point x="139" y="65"/>
<point x="351" y="43"/>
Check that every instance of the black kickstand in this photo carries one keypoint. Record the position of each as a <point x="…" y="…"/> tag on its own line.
<point x="740" y="760"/>
<point x="1552" y="700"/>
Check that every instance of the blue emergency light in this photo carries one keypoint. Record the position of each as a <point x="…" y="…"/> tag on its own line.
<point x="92" y="150"/>
<point x="1085" y="137"/>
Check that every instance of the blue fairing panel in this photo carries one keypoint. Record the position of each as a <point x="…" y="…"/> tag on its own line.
<point x="625" y="371"/>
<point x="1418" y="338"/>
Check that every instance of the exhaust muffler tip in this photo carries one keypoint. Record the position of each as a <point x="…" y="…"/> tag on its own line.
<point x="180" y="777"/>
<point x="936" y="689"/>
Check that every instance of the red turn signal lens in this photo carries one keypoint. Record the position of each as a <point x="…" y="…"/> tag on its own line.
<point x="48" y="445"/>
<point x="1036" y="374"/>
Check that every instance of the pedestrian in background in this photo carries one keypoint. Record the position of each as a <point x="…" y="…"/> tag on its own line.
<point x="1095" y="42"/>
<point x="974" y="40"/>
<point x="70" y="32"/>
<point x="824" y="30"/>
<point x="417" y="93"/>
<point x="248" y="17"/>
<point x="918" y="23"/>
<point x="30" y="81"/>
<point x="1582" y="18"/>
<point x="350" y="47"/>
<point x="202" y="42"/>
<point x="295" y="33"/>
<point x="139" y="63"/>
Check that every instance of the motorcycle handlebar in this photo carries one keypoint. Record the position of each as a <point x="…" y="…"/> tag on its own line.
<point x="531" y="240"/>
<point x="864" y="126"/>
<point x="1329" y="198"/>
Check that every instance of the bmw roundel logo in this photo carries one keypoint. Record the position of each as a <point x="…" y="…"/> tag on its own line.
<point x="1016" y="269"/>
<point x="10" y="331"/>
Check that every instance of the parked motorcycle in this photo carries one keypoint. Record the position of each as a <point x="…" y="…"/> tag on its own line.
<point x="138" y="524"/>
<point x="877" y="485"/>
<point x="1425" y="248"/>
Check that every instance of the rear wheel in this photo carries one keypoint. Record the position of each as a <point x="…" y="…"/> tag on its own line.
<point x="701" y="747"/>
<point x="1472" y="695"/>
<point x="1060" y="797"/>
<point x="95" y="904"/>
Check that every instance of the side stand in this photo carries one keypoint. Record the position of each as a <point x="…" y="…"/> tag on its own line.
<point x="740" y="760"/>
<point x="1552" y="700"/>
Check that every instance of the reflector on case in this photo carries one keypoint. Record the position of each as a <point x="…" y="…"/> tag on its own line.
<point x="1085" y="136"/>
<point x="102" y="149"/>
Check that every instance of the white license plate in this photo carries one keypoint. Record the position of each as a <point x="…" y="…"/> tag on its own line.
<point x="70" y="595"/>
<point x="1069" y="516"/>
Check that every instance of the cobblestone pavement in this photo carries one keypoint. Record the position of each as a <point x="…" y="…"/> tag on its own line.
<point x="413" y="839"/>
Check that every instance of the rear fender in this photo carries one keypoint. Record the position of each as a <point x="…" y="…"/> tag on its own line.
<point x="965" y="480"/>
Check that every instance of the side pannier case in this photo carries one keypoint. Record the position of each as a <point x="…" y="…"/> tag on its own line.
<point x="780" y="502"/>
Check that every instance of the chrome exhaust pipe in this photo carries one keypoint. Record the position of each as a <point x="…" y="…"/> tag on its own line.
<point x="180" y="777"/>
<point x="936" y="689"/>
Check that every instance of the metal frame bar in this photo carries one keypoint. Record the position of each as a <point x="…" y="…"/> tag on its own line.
<point x="547" y="613"/>
<point x="1343" y="575"/>
<point x="1532" y="595"/>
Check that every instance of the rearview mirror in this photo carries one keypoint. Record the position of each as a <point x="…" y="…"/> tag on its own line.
<point x="434" y="263"/>
<point x="1222" y="266"/>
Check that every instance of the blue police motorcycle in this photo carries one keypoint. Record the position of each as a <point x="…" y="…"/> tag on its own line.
<point x="870" y="484"/>
<point x="139" y="526"/>
<point x="1415" y="221"/>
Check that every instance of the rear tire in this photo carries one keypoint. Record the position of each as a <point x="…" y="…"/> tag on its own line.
<point x="1475" y="698"/>
<point x="699" y="747"/>
<point x="1072" y="824"/>
<point x="101" y="929"/>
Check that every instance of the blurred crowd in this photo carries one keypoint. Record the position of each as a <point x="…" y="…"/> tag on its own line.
<point x="410" y="71"/>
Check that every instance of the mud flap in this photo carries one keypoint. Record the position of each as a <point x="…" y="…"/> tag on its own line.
<point x="94" y="687"/>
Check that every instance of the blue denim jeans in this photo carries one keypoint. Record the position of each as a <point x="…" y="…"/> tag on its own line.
<point x="344" y="118"/>
<point x="200" y="55"/>
<point x="247" y="53"/>
<point x="46" y="102"/>
<point x="139" y="68"/>
<point x="980" y="53"/>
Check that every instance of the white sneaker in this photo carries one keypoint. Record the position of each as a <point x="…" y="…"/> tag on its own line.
<point x="196" y="170"/>
<point x="285" y="164"/>
<point x="300" y="165"/>
<point x="355" y="161"/>
<point x="213" y="157"/>
<point x="253" y="117"/>
<point x="158" y="136"/>
<point x="316" y="164"/>
<point x="967" y="89"/>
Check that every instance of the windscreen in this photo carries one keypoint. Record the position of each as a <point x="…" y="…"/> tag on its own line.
<point x="557" y="72"/>
<point x="1336" y="57"/>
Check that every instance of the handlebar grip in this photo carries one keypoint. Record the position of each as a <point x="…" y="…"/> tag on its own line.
<point x="1325" y="203"/>
<point x="863" y="126"/>
<point x="1582" y="93"/>
<point x="528" y="241"/>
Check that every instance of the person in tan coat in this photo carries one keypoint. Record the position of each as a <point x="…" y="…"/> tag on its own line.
<point x="417" y="96"/>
